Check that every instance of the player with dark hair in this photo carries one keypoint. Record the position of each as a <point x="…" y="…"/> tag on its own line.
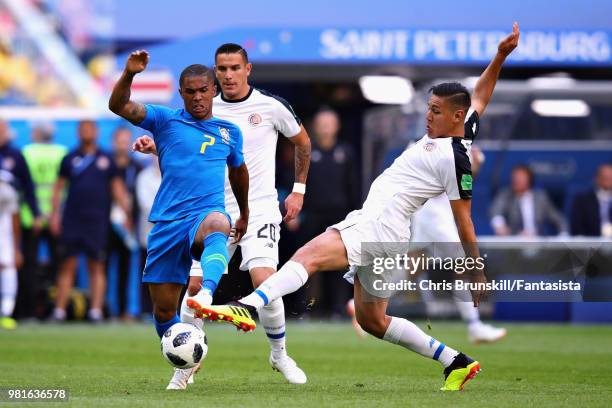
<point x="189" y="213"/>
<point x="436" y="164"/>
<point x="261" y="116"/>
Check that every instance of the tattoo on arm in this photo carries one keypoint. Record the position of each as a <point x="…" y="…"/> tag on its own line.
<point x="302" y="162"/>
<point x="137" y="110"/>
<point x="120" y="103"/>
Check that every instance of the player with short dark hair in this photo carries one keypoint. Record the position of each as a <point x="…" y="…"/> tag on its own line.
<point x="232" y="48"/>
<point x="261" y="116"/>
<point x="437" y="163"/>
<point x="189" y="210"/>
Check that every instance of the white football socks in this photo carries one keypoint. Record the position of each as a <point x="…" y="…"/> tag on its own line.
<point x="186" y="314"/>
<point x="288" y="279"/>
<point x="408" y="335"/>
<point x="272" y="317"/>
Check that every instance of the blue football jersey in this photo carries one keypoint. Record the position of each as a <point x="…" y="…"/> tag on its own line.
<point x="193" y="155"/>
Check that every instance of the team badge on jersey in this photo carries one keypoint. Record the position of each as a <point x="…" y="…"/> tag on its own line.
<point x="430" y="146"/>
<point x="254" y="119"/>
<point x="103" y="163"/>
<point x="339" y="155"/>
<point x="8" y="163"/>
<point x="225" y="136"/>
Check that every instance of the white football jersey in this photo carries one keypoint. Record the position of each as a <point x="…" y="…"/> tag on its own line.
<point x="261" y="116"/>
<point x="426" y="169"/>
<point x="438" y="209"/>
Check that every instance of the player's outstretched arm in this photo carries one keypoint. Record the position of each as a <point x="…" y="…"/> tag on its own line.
<point x="119" y="102"/>
<point x="239" y="180"/>
<point x="483" y="90"/>
<point x="295" y="200"/>
<point x="462" y="212"/>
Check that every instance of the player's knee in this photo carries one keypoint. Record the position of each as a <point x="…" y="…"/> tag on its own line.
<point x="164" y="310"/>
<point x="214" y="222"/>
<point x="164" y="314"/>
<point x="218" y="223"/>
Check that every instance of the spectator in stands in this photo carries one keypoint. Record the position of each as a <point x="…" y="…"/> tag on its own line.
<point x="122" y="243"/>
<point x="43" y="159"/>
<point x="591" y="213"/>
<point x="147" y="184"/>
<point x="93" y="181"/>
<point x="332" y="193"/>
<point x="523" y="210"/>
<point x="17" y="77"/>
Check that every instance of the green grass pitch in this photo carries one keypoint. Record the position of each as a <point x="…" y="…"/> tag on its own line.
<point x="121" y="365"/>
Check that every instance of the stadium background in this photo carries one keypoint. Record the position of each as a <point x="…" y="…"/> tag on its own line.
<point x="61" y="58"/>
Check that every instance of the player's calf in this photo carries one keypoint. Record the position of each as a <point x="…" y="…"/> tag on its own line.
<point x="374" y="324"/>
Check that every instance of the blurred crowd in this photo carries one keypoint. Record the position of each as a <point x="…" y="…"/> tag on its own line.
<point x="27" y="77"/>
<point x="521" y="209"/>
<point x="86" y="210"/>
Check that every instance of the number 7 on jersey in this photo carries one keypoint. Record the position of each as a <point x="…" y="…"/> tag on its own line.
<point x="209" y="142"/>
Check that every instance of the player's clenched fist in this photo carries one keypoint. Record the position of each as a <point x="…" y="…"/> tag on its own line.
<point x="137" y="62"/>
<point x="144" y="144"/>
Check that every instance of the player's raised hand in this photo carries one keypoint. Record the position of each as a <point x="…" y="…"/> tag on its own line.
<point x="145" y="144"/>
<point x="293" y="204"/>
<point x="137" y="62"/>
<point x="508" y="44"/>
<point x="240" y="228"/>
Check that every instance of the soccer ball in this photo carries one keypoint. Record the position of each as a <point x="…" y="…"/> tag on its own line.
<point x="183" y="345"/>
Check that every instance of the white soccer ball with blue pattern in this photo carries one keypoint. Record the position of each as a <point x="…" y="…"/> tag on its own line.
<point x="183" y="345"/>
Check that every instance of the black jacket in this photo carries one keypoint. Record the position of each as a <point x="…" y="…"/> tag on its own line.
<point x="585" y="215"/>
